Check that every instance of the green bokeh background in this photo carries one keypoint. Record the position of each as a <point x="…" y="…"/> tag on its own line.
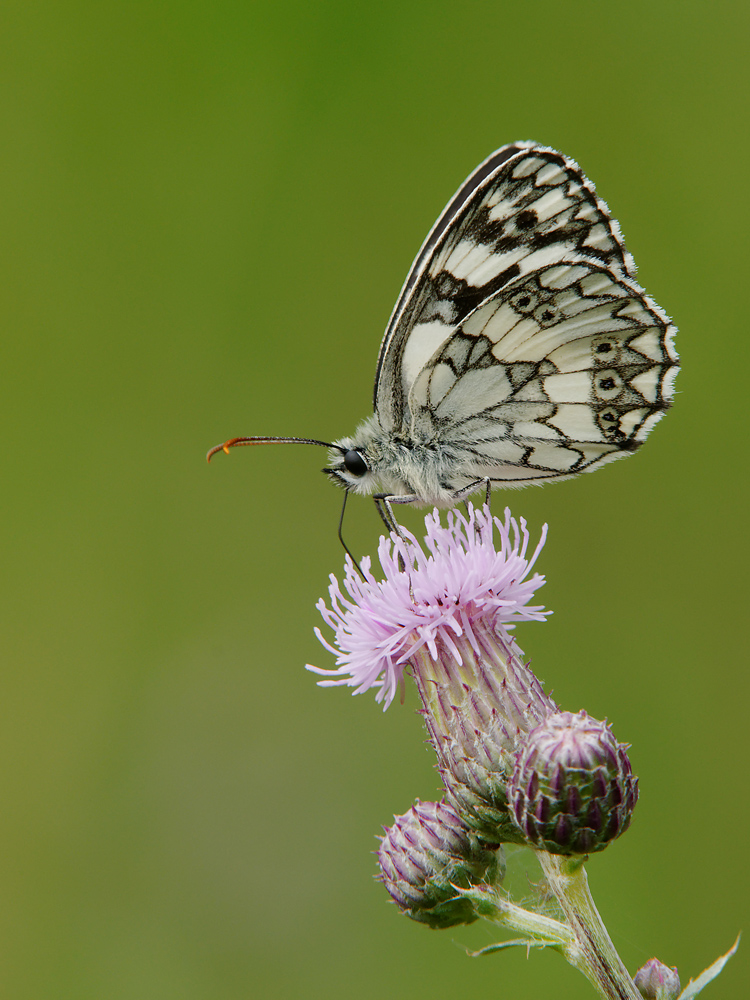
<point x="207" y="210"/>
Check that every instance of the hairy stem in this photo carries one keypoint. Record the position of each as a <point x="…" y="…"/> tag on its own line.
<point x="597" y="958"/>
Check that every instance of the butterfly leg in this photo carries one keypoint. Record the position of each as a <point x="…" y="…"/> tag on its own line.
<point x="383" y="502"/>
<point x="487" y="498"/>
<point x="472" y="487"/>
<point x="386" y="516"/>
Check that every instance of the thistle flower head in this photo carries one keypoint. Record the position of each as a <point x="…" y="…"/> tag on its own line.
<point x="443" y="611"/>
<point x="429" y="597"/>
<point x="427" y="857"/>
<point x="572" y="790"/>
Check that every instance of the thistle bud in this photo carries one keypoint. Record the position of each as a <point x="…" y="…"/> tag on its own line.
<point x="427" y="857"/>
<point x="572" y="790"/>
<point x="657" y="981"/>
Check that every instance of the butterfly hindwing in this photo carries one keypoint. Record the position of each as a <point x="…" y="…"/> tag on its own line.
<point x="524" y="208"/>
<point x="562" y="370"/>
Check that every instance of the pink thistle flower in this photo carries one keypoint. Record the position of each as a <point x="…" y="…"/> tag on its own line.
<point x="435" y="599"/>
<point x="445" y="614"/>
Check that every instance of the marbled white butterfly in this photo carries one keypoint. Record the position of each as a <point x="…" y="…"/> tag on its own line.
<point x="521" y="348"/>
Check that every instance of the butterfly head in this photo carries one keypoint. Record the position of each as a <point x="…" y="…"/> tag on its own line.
<point x="349" y="467"/>
<point x="356" y="462"/>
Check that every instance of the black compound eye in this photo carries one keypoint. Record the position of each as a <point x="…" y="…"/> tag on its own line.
<point x="354" y="463"/>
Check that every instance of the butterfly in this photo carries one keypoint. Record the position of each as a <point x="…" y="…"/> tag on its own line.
<point x="521" y="348"/>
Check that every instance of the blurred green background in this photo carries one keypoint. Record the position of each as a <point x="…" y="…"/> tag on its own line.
<point x="207" y="211"/>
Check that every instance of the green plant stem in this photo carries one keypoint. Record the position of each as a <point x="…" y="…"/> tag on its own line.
<point x="537" y="928"/>
<point x="594" y="955"/>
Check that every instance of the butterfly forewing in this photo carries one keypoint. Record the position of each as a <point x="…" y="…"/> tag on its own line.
<point x="524" y="208"/>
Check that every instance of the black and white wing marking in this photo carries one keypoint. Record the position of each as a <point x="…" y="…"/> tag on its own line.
<point x="558" y="372"/>
<point x="524" y="208"/>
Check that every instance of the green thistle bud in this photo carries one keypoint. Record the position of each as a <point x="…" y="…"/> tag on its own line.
<point x="427" y="857"/>
<point x="657" y="981"/>
<point x="572" y="790"/>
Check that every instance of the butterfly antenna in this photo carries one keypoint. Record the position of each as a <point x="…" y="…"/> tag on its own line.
<point x="237" y="442"/>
